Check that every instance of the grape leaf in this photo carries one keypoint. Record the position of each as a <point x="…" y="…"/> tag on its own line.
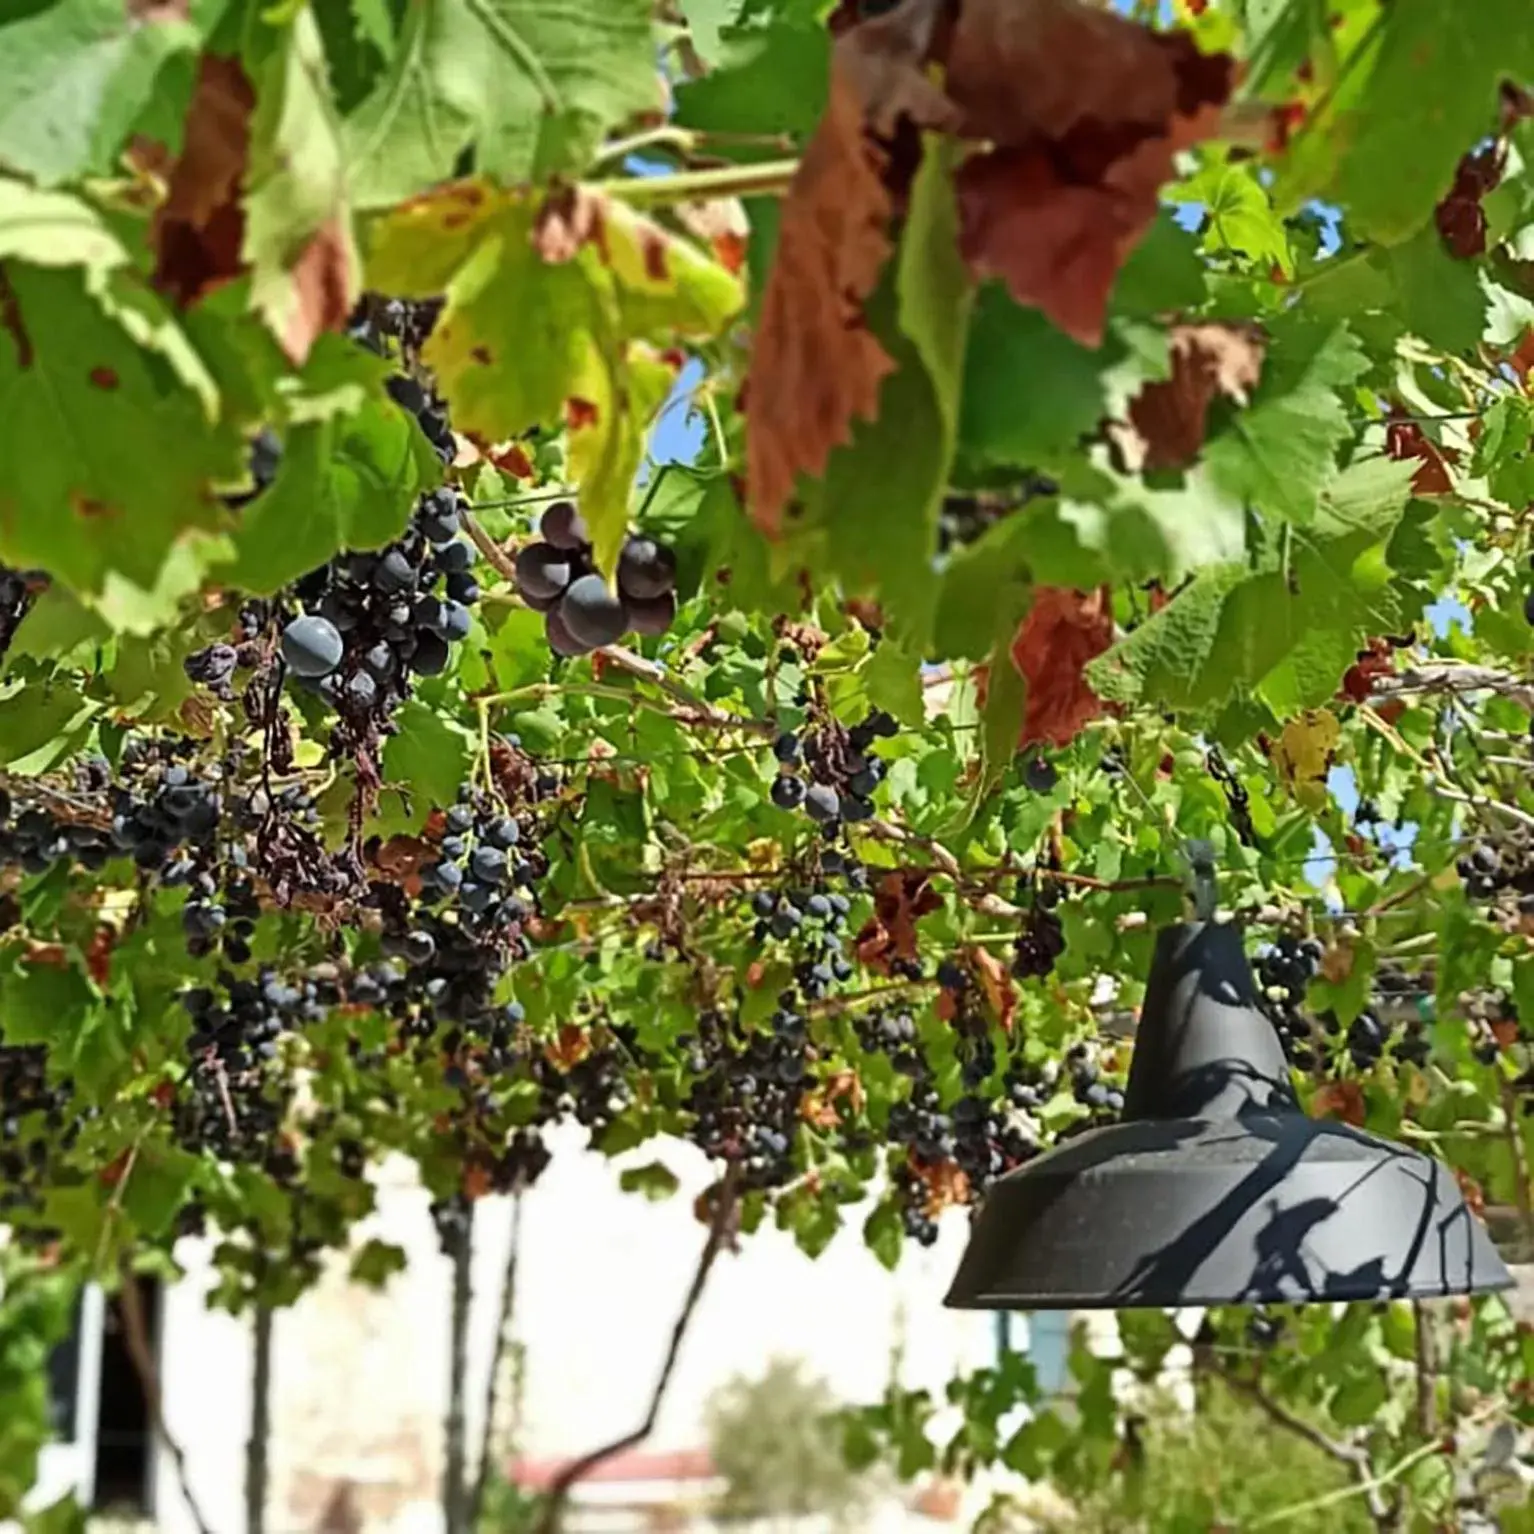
<point x="1062" y="632"/>
<point x="1279" y="452"/>
<point x="530" y="85"/>
<point x="878" y="504"/>
<point x="1031" y="392"/>
<point x="1371" y="149"/>
<point x="1441" y="299"/>
<point x="75" y="74"/>
<point x="771" y="81"/>
<point x="543" y="303"/>
<point x="297" y="237"/>
<point x="135" y="486"/>
<point x="1238" y="215"/>
<point x="1106" y="526"/>
<point x="1083" y="112"/>
<point x="344" y="482"/>
<point x="1235" y="623"/>
<point x="198" y="228"/>
<point x="816" y="367"/>
<point x="427" y="757"/>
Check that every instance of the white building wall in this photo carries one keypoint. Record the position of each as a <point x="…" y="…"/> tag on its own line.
<point x="360" y="1380"/>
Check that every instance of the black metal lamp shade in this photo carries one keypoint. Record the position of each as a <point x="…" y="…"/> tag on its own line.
<point x="1215" y="1188"/>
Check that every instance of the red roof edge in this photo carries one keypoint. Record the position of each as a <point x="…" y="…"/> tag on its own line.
<point x="636" y="1465"/>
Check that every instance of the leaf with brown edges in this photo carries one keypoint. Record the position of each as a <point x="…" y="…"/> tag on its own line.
<point x="816" y="367"/>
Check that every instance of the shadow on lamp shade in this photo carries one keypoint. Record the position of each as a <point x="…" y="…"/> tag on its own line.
<point x="1215" y="1189"/>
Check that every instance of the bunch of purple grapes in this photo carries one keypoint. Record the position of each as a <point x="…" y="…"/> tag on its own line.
<point x="373" y="620"/>
<point x="581" y="612"/>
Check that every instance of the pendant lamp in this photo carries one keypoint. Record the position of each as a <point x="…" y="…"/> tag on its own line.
<point x="1215" y="1188"/>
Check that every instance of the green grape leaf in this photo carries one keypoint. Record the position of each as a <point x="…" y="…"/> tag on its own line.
<point x="33" y="715"/>
<point x="982" y="579"/>
<point x="427" y="757"/>
<point x="884" y="1234"/>
<point x="770" y="81"/>
<point x="75" y="74"/>
<point x="298" y="242"/>
<point x="375" y="1262"/>
<point x="1440" y="298"/>
<point x="39" y="1000"/>
<point x="1279" y="452"/>
<point x="155" y="1184"/>
<point x="656" y="1181"/>
<point x="707" y="21"/>
<point x="1030" y="391"/>
<point x="530" y="85"/>
<point x="1238" y="215"/>
<point x="348" y="482"/>
<point x="1372" y="149"/>
<point x="1163" y="274"/>
<point x="1105" y="526"/>
<point x="1233" y="625"/>
<point x="125" y="516"/>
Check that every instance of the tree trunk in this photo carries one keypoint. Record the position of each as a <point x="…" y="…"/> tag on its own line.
<point x="256" y="1465"/>
<point x="455" y="1490"/>
<point x="490" y="1441"/>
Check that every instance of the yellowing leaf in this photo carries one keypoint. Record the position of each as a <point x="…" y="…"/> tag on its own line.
<point x="1304" y="752"/>
<point x="546" y="302"/>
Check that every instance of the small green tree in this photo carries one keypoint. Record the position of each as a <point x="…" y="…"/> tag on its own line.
<point x="772" y="1441"/>
<point x="1224" y="1462"/>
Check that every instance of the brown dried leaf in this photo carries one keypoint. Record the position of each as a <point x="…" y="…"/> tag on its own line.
<point x="1342" y="1100"/>
<point x="1168" y="419"/>
<point x="198" y="232"/>
<point x="722" y="225"/>
<point x="815" y="367"/>
<point x="322" y="282"/>
<point x="1085" y="111"/>
<point x="901" y="899"/>
<point x="996" y="981"/>
<point x="1337" y="963"/>
<point x="1064" y="630"/>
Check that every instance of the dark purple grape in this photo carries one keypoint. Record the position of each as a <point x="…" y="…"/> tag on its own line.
<point x="360" y="691"/>
<point x="787" y="792"/>
<point x="592" y="613"/>
<point x="646" y="570"/>
<point x="395" y="572"/>
<point x="561" y="640"/>
<point x="439" y="517"/>
<point x="821" y="803"/>
<point x="564" y="527"/>
<point x="455" y="621"/>
<point x="455" y="557"/>
<point x="651" y="615"/>
<point x="431" y="653"/>
<point x="462" y="587"/>
<point x="312" y="646"/>
<point x="543" y="572"/>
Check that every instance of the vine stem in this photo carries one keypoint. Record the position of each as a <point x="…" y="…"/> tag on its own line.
<point x="767" y="179"/>
<point x="576" y="1470"/>
<point x="1523" y="1182"/>
<point x="141" y="1354"/>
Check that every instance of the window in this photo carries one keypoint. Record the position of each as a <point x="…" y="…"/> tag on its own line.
<point x="105" y="1448"/>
